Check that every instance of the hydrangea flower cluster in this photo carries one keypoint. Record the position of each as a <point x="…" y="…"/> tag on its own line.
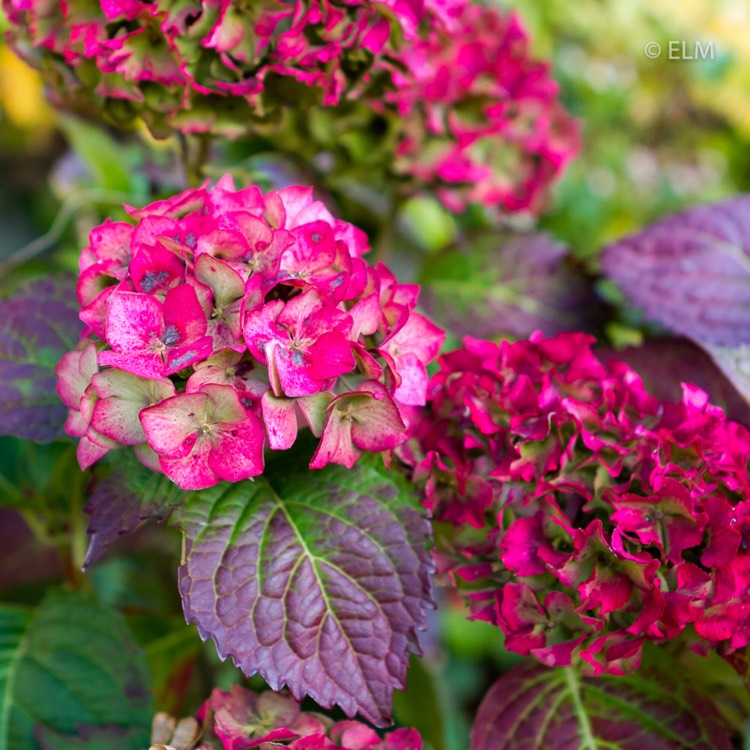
<point x="481" y="118"/>
<point x="224" y="320"/>
<point x="199" y="66"/>
<point x="241" y="719"/>
<point x="474" y="115"/>
<point x="583" y="516"/>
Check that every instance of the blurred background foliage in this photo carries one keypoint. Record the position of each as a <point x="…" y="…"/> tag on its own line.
<point x="658" y="134"/>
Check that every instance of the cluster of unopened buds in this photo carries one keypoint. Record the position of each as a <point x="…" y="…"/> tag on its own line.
<point x="585" y="516"/>
<point x="239" y="718"/>
<point x="225" y="320"/>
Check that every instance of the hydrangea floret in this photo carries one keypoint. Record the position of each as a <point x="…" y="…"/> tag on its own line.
<point x="222" y="321"/>
<point x="578" y="513"/>
<point x="240" y="719"/>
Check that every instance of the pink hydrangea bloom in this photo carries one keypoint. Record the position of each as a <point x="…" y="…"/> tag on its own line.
<point x="588" y="516"/>
<point x="181" y="65"/>
<point x="241" y="719"/>
<point x="223" y="320"/>
<point x="481" y="119"/>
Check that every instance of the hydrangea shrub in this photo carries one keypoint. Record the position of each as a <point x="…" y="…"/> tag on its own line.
<point x="177" y="65"/>
<point x="246" y="373"/>
<point x="240" y="719"/>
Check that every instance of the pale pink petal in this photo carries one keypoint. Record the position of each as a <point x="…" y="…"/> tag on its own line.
<point x="172" y="426"/>
<point x="280" y="419"/>
<point x="238" y="453"/>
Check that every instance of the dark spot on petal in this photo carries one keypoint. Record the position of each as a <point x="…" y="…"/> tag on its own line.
<point x="152" y="280"/>
<point x="171" y="336"/>
<point x="183" y="360"/>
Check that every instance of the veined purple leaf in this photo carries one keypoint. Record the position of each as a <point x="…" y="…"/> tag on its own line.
<point x="507" y="285"/>
<point x="127" y="495"/>
<point x="319" y="583"/>
<point x="532" y="706"/>
<point x="39" y="324"/>
<point x="691" y="271"/>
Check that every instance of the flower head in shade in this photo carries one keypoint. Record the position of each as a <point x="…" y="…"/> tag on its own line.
<point x="223" y="321"/>
<point x="588" y="516"/>
<point x="443" y="92"/>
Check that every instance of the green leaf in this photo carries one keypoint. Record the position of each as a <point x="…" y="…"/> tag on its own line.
<point x="318" y="582"/>
<point x="71" y="668"/>
<point x="424" y="705"/>
<point x="101" y="154"/>
<point x="532" y="706"/>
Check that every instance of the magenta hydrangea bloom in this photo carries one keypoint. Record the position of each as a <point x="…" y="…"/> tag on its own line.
<point x="223" y="321"/>
<point x="588" y="516"/>
<point x="204" y="66"/>
<point x="481" y="119"/>
<point x="241" y="719"/>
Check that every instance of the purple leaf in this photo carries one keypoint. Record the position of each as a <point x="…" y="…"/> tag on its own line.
<point x="319" y="583"/>
<point x="39" y="324"/>
<point x="507" y="285"/>
<point x="126" y="495"/>
<point x="691" y="271"/>
<point x="664" y="363"/>
<point x="534" y="706"/>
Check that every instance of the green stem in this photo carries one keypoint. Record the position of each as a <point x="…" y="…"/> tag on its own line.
<point x="65" y="213"/>
<point x="383" y="243"/>
<point x="195" y="151"/>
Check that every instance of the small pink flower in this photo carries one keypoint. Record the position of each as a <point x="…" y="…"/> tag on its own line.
<point x="155" y="339"/>
<point x="363" y="420"/>
<point x="303" y="342"/>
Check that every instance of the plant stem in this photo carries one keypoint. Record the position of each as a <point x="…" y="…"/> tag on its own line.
<point x="194" y="153"/>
